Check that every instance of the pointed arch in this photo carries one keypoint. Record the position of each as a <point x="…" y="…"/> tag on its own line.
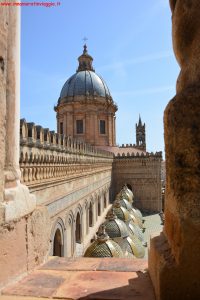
<point x="78" y="228"/>
<point x="90" y="215"/>
<point x="57" y="238"/>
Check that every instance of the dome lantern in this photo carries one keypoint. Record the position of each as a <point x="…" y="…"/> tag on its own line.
<point x="85" y="61"/>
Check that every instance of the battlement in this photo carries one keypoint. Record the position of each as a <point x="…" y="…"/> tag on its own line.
<point x="130" y="146"/>
<point x="139" y="155"/>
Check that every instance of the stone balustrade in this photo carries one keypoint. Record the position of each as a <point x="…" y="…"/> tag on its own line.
<point x="46" y="156"/>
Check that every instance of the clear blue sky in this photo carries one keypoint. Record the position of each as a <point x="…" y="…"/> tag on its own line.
<point x="130" y="42"/>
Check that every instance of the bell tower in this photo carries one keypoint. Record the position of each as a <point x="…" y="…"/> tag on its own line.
<point x="140" y="135"/>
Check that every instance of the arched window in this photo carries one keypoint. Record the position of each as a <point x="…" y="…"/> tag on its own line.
<point x="57" y="244"/>
<point x="78" y="228"/>
<point x="99" y="207"/>
<point x="90" y="215"/>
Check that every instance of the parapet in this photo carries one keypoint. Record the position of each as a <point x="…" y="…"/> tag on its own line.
<point x="32" y="135"/>
<point x="140" y="155"/>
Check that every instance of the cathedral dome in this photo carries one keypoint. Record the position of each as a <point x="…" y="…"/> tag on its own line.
<point x="85" y="109"/>
<point x="85" y="82"/>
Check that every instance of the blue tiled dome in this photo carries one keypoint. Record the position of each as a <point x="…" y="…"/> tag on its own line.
<point x="85" y="83"/>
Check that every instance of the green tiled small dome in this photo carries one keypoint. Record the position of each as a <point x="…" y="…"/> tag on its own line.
<point x="115" y="227"/>
<point x="103" y="246"/>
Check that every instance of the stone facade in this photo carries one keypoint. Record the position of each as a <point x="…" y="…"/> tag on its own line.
<point x="142" y="172"/>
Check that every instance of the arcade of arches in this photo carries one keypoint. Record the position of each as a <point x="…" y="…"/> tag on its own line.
<point x="73" y="231"/>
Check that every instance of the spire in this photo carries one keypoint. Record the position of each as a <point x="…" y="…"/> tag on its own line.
<point x="140" y="135"/>
<point x="140" y="122"/>
<point x="85" y="61"/>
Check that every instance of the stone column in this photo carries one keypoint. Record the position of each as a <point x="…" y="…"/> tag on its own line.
<point x="174" y="260"/>
<point x="3" y="72"/>
<point x="12" y="172"/>
<point x="70" y="125"/>
<point x="57" y="123"/>
<point x="109" y="129"/>
<point x="114" y="131"/>
<point x="64" y="124"/>
<point x="96" y="129"/>
<point x="18" y="202"/>
<point x="87" y="127"/>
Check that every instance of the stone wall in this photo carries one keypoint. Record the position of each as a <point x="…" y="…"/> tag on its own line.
<point x="24" y="244"/>
<point x="143" y="173"/>
<point x="174" y="260"/>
